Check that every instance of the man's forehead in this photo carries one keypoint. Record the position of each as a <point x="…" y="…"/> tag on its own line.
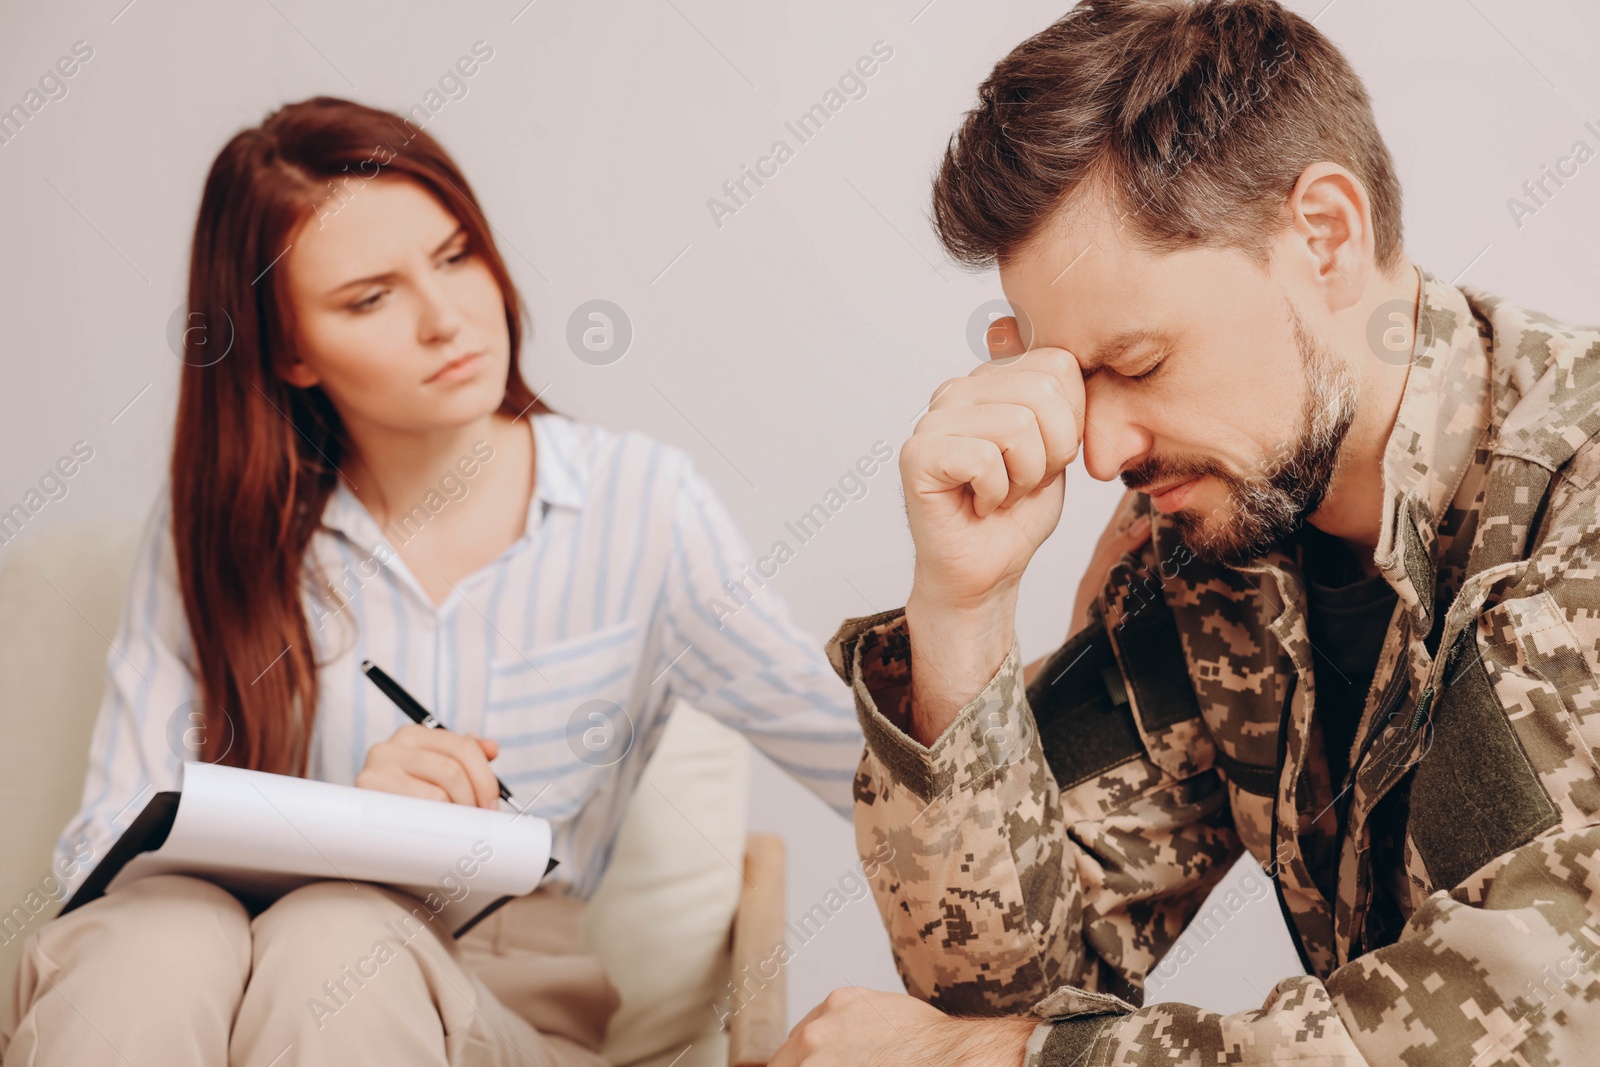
<point x="1079" y="285"/>
<point x="1097" y="322"/>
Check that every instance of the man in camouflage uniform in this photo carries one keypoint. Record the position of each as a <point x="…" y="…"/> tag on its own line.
<point x="1433" y="836"/>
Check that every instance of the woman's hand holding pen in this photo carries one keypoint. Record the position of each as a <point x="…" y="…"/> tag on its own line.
<point x="434" y="765"/>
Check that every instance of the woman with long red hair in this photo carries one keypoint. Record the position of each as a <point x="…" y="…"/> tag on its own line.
<point x="360" y="472"/>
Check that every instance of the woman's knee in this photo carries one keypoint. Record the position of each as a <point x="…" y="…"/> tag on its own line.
<point x="333" y="920"/>
<point x="165" y="929"/>
<point x="163" y="905"/>
<point x="328" y="941"/>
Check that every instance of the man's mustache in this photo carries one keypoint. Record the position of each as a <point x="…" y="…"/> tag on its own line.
<point x="1154" y="472"/>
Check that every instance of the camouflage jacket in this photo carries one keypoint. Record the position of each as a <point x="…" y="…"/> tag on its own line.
<point x="1052" y="844"/>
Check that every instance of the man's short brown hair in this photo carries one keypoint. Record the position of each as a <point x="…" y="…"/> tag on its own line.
<point x="1198" y="117"/>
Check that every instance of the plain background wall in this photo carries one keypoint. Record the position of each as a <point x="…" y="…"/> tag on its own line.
<point x="776" y="347"/>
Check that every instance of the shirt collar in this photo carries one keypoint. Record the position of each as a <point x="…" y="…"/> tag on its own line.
<point x="561" y="479"/>
<point x="561" y="461"/>
<point x="1444" y="413"/>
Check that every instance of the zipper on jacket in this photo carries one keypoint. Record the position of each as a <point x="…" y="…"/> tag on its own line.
<point x="1388" y="703"/>
<point x="1277" y="794"/>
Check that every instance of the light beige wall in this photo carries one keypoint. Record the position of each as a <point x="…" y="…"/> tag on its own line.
<point x="777" y="347"/>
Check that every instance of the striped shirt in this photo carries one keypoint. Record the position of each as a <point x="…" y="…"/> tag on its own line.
<point x="569" y="649"/>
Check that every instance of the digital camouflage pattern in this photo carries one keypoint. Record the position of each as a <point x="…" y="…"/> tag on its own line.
<point x="1053" y="843"/>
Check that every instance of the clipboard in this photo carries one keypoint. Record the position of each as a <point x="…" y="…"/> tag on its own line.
<point x="261" y="835"/>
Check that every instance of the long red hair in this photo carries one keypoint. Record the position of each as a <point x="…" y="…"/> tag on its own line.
<point x="253" y="457"/>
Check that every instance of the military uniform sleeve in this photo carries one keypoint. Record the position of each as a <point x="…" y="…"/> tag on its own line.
<point x="997" y="888"/>
<point x="1002" y="895"/>
<point x="1499" y="964"/>
<point x="1500" y="971"/>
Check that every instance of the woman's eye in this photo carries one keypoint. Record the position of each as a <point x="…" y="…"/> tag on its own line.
<point x="368" y="303"/>
<point x="461" y="256"/>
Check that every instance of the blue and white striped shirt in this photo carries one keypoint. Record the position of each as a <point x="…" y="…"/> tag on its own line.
<point x="605" y="602"/>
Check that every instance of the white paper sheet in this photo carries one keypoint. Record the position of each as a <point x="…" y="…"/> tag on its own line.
<point x="260" y="835"/>
<point x="1233" y="952"/>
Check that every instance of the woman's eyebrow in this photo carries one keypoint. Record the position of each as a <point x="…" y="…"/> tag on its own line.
<point x="387" y="275"/>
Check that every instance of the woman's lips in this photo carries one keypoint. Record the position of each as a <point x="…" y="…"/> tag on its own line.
<point x="457" y="370"/>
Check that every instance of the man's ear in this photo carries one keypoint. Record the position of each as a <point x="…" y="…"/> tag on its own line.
<point x="1331" y="219"/>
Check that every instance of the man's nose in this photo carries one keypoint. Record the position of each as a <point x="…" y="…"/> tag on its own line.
<point x="1112" y="442"/>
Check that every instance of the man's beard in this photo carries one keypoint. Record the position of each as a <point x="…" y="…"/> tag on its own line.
<point x="1273" y="505"/>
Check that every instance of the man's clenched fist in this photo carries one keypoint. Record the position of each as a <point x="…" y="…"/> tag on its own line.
<point x="983" y="489"/>
<point x="866" y="1028"/>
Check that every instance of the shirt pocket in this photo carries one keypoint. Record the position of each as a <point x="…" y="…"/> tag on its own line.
<point x="564" y="717"/>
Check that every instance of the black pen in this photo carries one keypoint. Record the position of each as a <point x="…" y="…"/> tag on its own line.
<point x="413" y="709"/>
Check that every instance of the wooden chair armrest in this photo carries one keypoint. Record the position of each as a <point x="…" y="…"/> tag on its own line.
<point x="759" y="1025"/>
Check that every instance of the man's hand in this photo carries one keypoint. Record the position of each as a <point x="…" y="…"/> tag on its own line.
<point x="866" y="1028"/>
<point x="983" y="489"/>
<point x="434" y="765"/>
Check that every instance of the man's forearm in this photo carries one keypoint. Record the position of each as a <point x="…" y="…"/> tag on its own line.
<point x="952" y="817"/>
<point x="955" y="652"/>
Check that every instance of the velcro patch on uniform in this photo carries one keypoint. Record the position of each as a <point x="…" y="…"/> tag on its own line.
<point x="1475" y="795"/>
<point x="1158" y="669"/>
<point x="1083" y="730"/>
